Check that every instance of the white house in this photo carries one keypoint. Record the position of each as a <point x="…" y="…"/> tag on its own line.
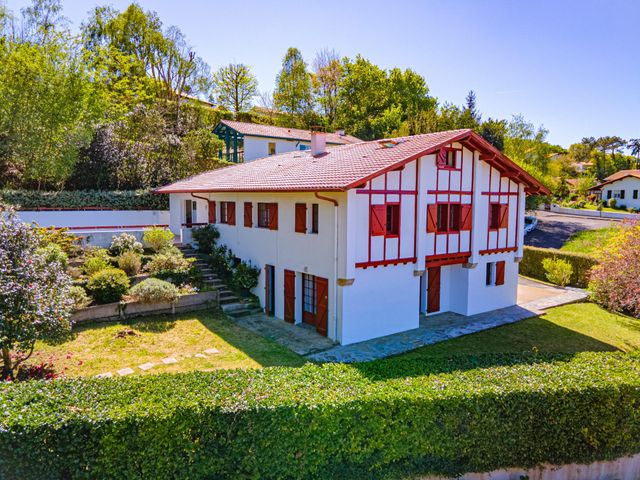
<point x="360" y="240"/>
<point x="245" y="141"/>
<point x="624" y="186"/>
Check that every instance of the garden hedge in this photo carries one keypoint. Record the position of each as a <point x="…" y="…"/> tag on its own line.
<point x="383" y="419"/>
<point x="79" y="199"/>
<point x="531" y="264"/>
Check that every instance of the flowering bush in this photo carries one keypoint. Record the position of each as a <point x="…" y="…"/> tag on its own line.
<point x="35" y="302"/>
<point x="125" y="242"/>
<point x="108" y="285"/>
<point x="54" y="253"/>
<point x="158" y="239"/>
<point x="615" y="281"/>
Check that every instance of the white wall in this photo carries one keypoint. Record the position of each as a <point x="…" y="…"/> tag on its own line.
<point x="628" y="184"/>
<point x="94" y="218"/>
<point x="258" y="147"/>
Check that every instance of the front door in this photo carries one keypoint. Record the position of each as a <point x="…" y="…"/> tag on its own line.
<point x="289" y="295"/>
<point x="188" y="212"/>
<point x="315" y="302"/>
<point x="322" y="308"/>
<point x="309" y="299"/>
<point x="269" y="291"/>
<point x="433" y="289"/>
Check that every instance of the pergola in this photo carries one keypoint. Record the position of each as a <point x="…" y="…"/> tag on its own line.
<point x="229" y="136"/>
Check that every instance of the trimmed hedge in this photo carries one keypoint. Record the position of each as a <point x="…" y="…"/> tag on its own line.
<point x="332" y="421"/>
<point x="531" y="264"/>
<point x="80" y="199"/>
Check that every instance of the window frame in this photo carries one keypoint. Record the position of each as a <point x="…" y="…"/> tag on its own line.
<point x="267" y="211"/>
<point x="394" y="218"/>
<point x="490" y="276"/>
<point x="315" y="219"/>
<point x="269" y="149"/>
<point x="492" y="207"/>
<point x="446" y="165"/>
<point x="227" y="213"/>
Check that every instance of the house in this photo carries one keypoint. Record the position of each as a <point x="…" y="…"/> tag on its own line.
<point x="245" y="141"/>
<point x="623" y="186"/>
<point x="362" y="239"/>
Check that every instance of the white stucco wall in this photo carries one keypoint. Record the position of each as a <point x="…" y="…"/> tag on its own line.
<point x="628" y="184"/>
<point x="94" y="218"/>
<point x="258" y="147"/>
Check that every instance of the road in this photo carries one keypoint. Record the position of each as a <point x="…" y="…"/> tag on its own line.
<point x="554" y="229"/>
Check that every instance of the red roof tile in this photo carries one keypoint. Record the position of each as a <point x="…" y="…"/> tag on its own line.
<point x="339" y="169"/>
<point x="270" y="131"/>
<point x="623" y="174"/>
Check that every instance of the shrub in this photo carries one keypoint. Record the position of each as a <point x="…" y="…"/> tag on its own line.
<point x="68" y="242"/>
<point x="153" y="290"/>
<point x="531" y="264"/>
<point x="615" y="281"/>
<point x="157" y="239"/>
<point x="95" y="264"/>
<point x="206" y="237"/>
<point x="170" y="264"/>
<point x="130" y="262"/>
<point x="82" y="199"/>
<point x="79" y="297"/>
<point x="612" y="203"/>
<point x="245" y="276"/>
<point x="108" y="285"/>
<point x="558" y="271"/>
<point x="447" y="416"/>
<point x="54" y="253"/>
<point x="222" y="261"/>
<point x="125" y="242"/>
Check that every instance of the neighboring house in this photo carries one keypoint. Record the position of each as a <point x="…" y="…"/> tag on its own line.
<point x="624" y="186"/>
<point x="245" y="141"/>
<point x="582" y="167"/>
<point x="360" y="240"/>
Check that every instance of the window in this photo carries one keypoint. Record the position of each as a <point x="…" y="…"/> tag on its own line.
<point x="228" y="213"/>
<point x="268" y="215"/>
<point x="393" y="219"/>
<point x="608" y="194"/>
<point x="454" y="217"/>
<point x="495" y="273"/>
<point x="635" y="194"/>
<point x="304" y="147"/>
<point x="494" y="216"/>
<point x="618" y="194"/>
<point x="491" y="274"/>
<point x="447" y="158"/>
<point x="443" y="217"/>
<point x="314" y="217"/>
<point x="272" y="148"/>
<point x="308" y="294"/>
<point x="301" y="218"/>
<point x="189" y="211"/>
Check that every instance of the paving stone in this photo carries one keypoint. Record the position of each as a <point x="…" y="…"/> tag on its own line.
<point x="169" y="360"/>
<point x="104" y="375"/>
<point x="125" y="371"/>
<point x="212" y="351"/>
<point x="146" y="366"/>
<point x="200" y="355"/>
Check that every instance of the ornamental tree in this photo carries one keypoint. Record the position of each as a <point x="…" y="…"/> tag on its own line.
<point x="615" y="281"/>
<point x="35" y="302"/>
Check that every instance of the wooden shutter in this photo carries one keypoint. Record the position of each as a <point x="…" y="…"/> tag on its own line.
<point x="289" y="295"/>
<point x="231" y="213"/>
<point x="212" y="211"/>
<point x="504" y="216"/>
<point x="273" y="216"/>
<point x="248" y="214"/>
<point x="442" y="157"/>
<point x="500" y="272"/>
<point x="465" y="217"/>
<point x="378" y="220"/>
<point x="322" y="305"/>
<point x="432" y="218"/>
<point x="301" y="217"/>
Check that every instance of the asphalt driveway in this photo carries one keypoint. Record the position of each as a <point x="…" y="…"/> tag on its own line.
<point x="554" y="229"/>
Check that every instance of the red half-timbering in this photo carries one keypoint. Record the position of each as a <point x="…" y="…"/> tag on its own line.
<point x="503" y="201"/>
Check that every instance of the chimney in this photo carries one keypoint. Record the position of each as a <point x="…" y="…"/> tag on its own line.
<point x="318" y="141"/>
<point x="340" y="132"/>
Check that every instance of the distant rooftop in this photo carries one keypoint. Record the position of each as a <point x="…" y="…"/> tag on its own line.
<point x="270" y="131"/>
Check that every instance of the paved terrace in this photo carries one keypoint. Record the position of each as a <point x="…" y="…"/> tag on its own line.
<point x="533" y="298"/>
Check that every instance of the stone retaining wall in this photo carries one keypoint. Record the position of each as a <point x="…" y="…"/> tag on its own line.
<point x="118" y="311"/>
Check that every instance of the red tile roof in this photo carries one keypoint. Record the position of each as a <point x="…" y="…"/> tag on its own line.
<point x="623" y="174"/>
<point x="270" y="131"/>
<point x="339" y="168"/>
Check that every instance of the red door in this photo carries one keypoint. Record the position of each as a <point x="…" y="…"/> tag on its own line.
<point x="289" y="295"/>
<point x="433" y="289"/>
<point x="322" y="308"/>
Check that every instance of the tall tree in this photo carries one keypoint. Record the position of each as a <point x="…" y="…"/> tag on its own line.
<point x="634" y="146"/>
<point x="235" y="87"/>
<point x="471" y="109"/>
<point x="293" y="85"/>
<point x="494" y="131"/>
<point x="326" y="83"/>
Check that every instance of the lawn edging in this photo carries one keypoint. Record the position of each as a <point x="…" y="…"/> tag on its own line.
<point x="450" y="416"/>
<point x="531" y="264"/>
<point x="122" y="310"/>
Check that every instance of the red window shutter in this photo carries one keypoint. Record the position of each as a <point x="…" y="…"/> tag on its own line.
<point x="500" y="272"/>
<point x="273" y="216"/>
<point x="442" y="157"/>
<point x="504" y="216"/>
<point x="465" y="217"/>
<point x="432" y="218"/>
<point x="231" y="213"/>
<point x="248" y="214"/>
<point x="301" y="217"/>
<point x="378" y="220"/>
<point x="212" y="211"/>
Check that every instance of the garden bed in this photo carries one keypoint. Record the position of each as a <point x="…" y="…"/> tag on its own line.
<point x="123" y="310"/>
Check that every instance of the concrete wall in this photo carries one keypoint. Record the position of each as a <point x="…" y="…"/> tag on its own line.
<point x="594" y="213"/>
<point x="258" y="147"/>
<point x="628" y="184"/>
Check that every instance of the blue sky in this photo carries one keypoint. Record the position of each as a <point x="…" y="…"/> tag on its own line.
<point x="573" y="66"/>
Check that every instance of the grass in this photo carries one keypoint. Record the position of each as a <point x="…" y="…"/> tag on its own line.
<point x="99" y="348"/>
<point x="589" y="241"/>
<point x="581" y="327"/>
<point x="604" y="209"/>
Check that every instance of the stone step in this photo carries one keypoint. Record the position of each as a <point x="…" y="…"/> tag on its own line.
<point x="244" y="312"/>
<point x="229" y="300"/>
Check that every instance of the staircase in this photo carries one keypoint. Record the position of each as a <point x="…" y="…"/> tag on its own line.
<point x="230" y="303"/>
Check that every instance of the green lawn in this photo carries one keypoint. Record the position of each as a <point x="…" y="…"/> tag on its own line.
<point x="588" y="241"/>
<point x="604" y="209"/>
<point x="100" y="348"/>
<point x="581" y="327"/>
